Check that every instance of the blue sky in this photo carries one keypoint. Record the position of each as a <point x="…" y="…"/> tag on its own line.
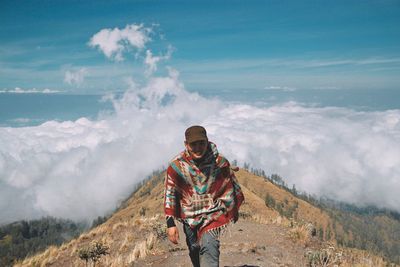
<point x="215" y="44"/>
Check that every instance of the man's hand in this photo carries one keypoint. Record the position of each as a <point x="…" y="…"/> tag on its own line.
<point x="235" y="217"/>
<point x="173" y="234"/>
<point x="235" y="168"/>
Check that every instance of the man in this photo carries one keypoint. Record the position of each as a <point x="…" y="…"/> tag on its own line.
<point x="202" y="192"/>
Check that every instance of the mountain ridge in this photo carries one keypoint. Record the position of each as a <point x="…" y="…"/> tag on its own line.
<point x="306" y="235"/>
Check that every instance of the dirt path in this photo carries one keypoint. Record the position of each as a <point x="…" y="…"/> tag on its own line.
<point x="245" y="244"/>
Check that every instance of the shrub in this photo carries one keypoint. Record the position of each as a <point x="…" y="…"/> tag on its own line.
<point x="93" y="252"/>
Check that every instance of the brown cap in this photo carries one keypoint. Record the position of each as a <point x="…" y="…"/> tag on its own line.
<point x="195" y="133"/>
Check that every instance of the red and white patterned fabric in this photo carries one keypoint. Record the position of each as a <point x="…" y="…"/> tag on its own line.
<point x="205" y="195"/>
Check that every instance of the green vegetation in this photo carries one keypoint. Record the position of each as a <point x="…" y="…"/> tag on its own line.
<point x="284" y="208"/>
<point x="373" y="232"/>
<point x="99" y="220"/>
<point x="368" y="228"/>
<point x="270" y="201"/>
<point x="20" y="239"/>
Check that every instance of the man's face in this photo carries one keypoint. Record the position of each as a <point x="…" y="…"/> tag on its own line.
<point x="197" y="149"/>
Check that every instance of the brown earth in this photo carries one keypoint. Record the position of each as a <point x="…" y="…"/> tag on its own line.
<point x="246" y="243"/>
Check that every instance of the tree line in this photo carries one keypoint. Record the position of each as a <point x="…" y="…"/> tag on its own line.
<point x="24" y="238"/>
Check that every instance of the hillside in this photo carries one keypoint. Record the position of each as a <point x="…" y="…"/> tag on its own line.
<point x="276" y="228"/>
<point x="23" y="238"/>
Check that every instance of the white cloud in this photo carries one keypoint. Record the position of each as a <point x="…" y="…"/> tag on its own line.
<point x="113" y="42"/>
<point x="75" y="77"/>
<point x="18" y="90"/>
<point x="340" y="153"/>
<point x="83" y="169"/>
<point x="130" y="82"/>
<point x="283" y="88"/>
<point x="152" y="61"/>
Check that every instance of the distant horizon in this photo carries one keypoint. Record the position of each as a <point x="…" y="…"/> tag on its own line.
<point x="77" y="105"/>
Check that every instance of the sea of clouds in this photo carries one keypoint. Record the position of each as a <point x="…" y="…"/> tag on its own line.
<point x="83" y="169"/>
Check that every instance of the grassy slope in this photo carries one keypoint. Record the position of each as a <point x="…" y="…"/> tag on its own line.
<point x="132" y="232"/>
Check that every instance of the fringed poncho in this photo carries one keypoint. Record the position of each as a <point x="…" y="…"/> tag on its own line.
<point x="206" y="195"/>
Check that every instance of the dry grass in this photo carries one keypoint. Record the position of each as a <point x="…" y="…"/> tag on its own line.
<point x="256" y="192"/>
<point x="333" y="256"/>
<point x="328" y="256"/>
<point x="43" y="259"/>
<point x="300" y="234"/>
<point x="132" y="236"/>
<point x="129" y="241"/>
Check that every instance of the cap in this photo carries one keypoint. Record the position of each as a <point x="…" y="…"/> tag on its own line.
<point x="195" y="133"/>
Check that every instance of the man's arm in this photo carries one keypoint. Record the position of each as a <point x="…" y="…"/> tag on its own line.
<point x="238" y="194"/>
<point x="170" y="206"/>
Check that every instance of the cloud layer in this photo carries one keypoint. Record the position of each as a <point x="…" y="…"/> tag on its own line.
<point x="82" y="169"/>
<point x="335" y="152"/>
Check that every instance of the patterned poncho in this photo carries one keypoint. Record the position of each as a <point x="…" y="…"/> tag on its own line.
<point x="205" y="195"/>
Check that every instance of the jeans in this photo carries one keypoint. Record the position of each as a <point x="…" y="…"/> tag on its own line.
<point x="204" y="253"/>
